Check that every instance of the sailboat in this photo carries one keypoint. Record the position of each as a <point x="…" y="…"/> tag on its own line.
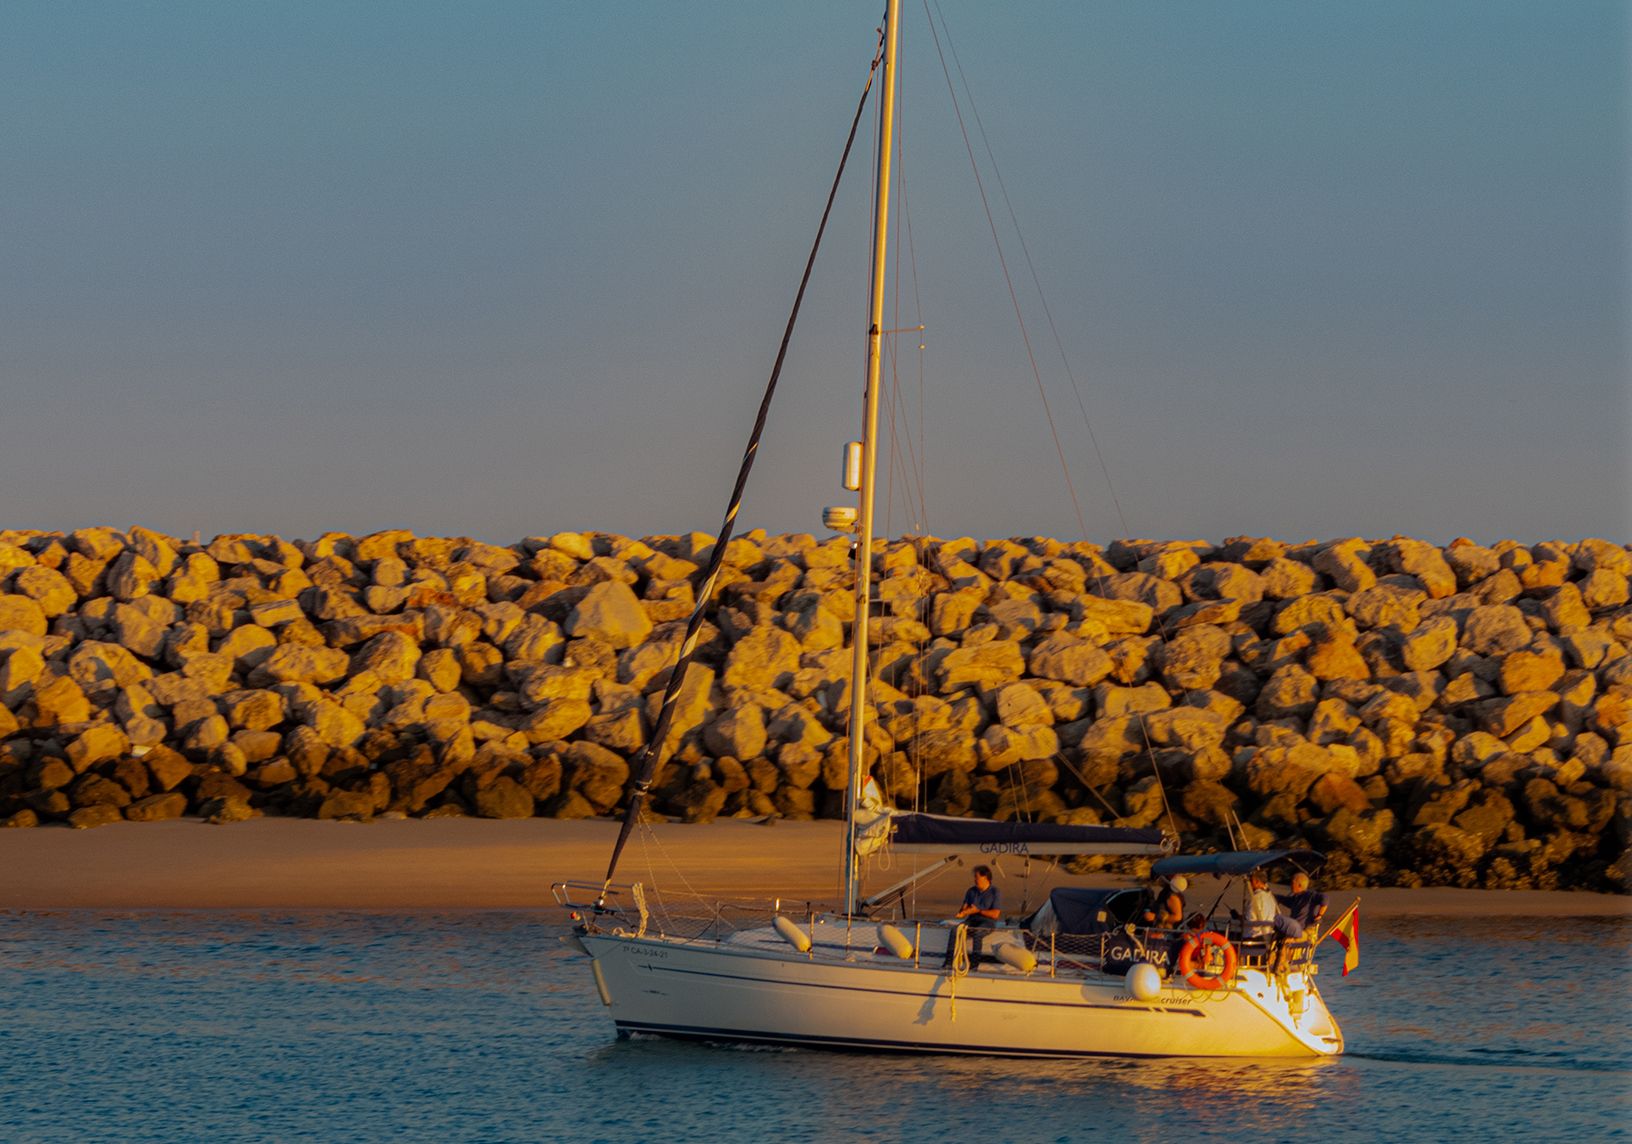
<point x="1082" y="976"/>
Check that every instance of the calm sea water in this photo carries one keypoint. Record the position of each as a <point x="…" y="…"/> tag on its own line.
<point x="479" y="1026"/>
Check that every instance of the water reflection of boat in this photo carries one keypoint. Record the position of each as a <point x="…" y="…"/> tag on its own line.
<point x="1080" y="977"/>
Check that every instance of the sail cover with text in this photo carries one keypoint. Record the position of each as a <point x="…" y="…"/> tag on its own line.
<point x="940" y="834"/>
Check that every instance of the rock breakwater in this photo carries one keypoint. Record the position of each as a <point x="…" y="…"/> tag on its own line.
<point x="1424" y="715"/>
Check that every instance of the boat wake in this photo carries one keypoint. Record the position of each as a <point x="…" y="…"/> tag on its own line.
<point x="1496" y="1058"/>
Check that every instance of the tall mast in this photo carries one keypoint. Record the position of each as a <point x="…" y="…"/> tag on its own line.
<point x="869" y="455"/>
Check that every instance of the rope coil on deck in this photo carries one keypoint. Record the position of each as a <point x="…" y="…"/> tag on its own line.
<point x="959" y="967"/>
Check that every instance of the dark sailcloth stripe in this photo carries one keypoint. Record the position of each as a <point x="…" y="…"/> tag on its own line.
<point x="646" y="766"/>
<point x="937" y="828"/>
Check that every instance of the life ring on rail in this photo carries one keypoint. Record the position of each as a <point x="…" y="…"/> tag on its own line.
<point x="1193" y="977"/>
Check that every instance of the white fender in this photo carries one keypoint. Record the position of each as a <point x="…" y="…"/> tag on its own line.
<point x="1145" y="982"/>
<point x="896" y="942"/>
<point x="793" y="935"/>
<point x="1016" y="955"/>
<point x="600" y="982"/>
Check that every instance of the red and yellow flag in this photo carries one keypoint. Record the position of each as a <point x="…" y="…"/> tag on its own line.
<point x="1347" y="933"/>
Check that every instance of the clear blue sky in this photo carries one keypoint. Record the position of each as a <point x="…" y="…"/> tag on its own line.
<point x="503" y="269"/>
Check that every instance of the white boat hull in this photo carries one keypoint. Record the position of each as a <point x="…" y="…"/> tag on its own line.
<point x="704" y="991"/>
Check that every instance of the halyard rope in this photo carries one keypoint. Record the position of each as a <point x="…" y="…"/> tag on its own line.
<point x="960" y="965"/>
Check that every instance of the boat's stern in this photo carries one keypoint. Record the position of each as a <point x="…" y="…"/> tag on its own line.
<point x="1293" y="1001"/>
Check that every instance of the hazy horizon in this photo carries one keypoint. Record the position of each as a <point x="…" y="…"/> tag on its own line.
<point x="1359" y="269"/>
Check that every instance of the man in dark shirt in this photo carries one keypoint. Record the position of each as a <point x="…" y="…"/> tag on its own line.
<point x="982" y="906"/>
<point x="1306" y="906"/>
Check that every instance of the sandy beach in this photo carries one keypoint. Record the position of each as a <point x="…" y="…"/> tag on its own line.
<point x="474" y="863"/>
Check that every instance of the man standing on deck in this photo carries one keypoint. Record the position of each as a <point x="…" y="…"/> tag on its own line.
<point x="982" y="906"/>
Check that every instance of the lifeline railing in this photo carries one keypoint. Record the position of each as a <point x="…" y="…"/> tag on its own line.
<point x="1108" y="954"/>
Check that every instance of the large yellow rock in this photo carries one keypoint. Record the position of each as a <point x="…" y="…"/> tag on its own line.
<point x="18" y="669"/>
<point x="1527" y="670"/>
<point x="1604" y="589"/>
<point x="738" y="733"/>
<point x="1335" y="657"/>
<point x="1119" y="617"/>
<point x="96" y="543"/>
<point x="48" y="588"/>
<point x="136" y="630"/>
<point x="610" y="612"/>
<point x="763" y="659"/>
<point x="60" y="701"/>
<point x="94" y="662"/>
<point x="154" y="547"/>
<point x="997" y="662"/>
<point x="1307" y="613"/>
<point x="1565" y="608"/>
<point x="247" y="647"/>
<point x="132" y="576"/>
<point x="1071" y="660"/>
<point x="13" y="558"/>
<point x="96" y="745"/>
<point x="1502" y="717"/>
<point x="158" y="807"/>
<point x="393" y="657"/>
<point x="1495" y="630"/>
<point x="1385" y="605"/>
<point x="1341" y="561"/>
<point x="1426" y="563"/>
<point x="1430" y="644"/>
<point x="253" y="710"/>
<point x="333" y="724"/>
<point x="22" y="614"/>
<point x="1284" y="579"/>
<point x="292" y="663"/>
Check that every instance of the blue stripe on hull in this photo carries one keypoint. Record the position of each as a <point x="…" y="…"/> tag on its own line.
<point x="861" y="1044"/>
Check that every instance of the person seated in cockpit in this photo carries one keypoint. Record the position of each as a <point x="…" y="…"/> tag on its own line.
<point x="1286" y="931"/>
<point x="982" y="908"/>
<point x="1306" y="906"/>
<point x="1261" y="907"/>
<point x="1166" y="908"/>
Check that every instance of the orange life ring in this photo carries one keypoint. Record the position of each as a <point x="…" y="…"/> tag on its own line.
<point x="1193" y="977"/>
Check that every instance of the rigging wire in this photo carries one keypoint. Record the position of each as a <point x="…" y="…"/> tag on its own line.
<point x="911" y="468"/>
<point x="651" y="753"/>
<point x="1031" y="266"/>
<point x="918" y="306"/>
<point x="1155" y="767"/>
<point x="1003" y="262"/>
<point x="889" y="348"/>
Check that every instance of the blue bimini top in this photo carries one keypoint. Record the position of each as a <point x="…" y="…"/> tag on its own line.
<point x="1233" y="864"/>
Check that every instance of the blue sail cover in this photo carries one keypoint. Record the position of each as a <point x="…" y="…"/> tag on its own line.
<point x="1084" y="911"/>
<point x="1233" y="864"/>
<point x="941" y="834"/>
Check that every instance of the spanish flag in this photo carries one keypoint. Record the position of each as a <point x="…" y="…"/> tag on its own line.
<point x="1347" y="933"/>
